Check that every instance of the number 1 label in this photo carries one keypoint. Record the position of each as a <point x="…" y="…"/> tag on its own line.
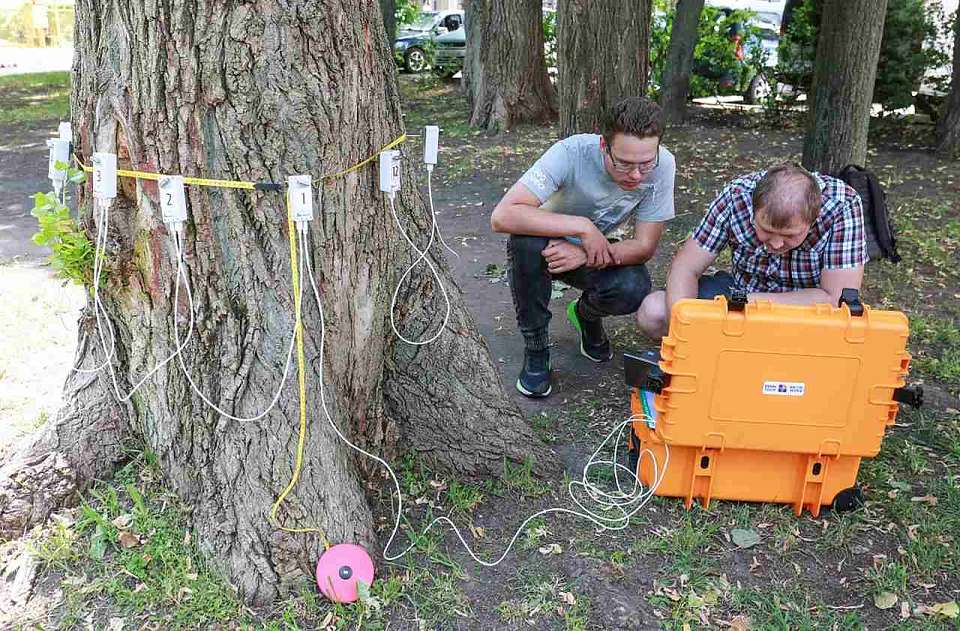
<point x="300" y="190"/>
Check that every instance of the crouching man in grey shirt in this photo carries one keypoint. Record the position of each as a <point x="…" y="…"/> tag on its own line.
<point x="558" y="216"/>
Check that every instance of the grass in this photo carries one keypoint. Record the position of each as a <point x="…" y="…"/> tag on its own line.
<point x="29" y="98"/>
<point x="675" y="567"/>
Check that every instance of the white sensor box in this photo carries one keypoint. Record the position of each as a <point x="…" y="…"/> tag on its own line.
<point x="390" y="171"/>
<point x="300" y="190"/>
<point x="65" y="131"/>
<point x="105" y="175"/>
<point x="59" y="152"/>
<point x="431" y="144"/>
<point x="173" y="200"/>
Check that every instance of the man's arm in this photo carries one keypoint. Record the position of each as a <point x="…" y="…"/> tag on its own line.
<point x="832" y="283"/>
<point x="642" y="246"/>
<point x="519" y="213"/>
<point x="688" y="266"/>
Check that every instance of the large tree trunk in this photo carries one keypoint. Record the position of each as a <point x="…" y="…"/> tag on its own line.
<point x="603" y="56"/>
<point x="948" y="129"/>
<point x="679" y="63"/>
<point x="845" y="69"/>
<point x="257" y="92"/>
<point x="388" y="9"/>
<point x="504" y="73"/>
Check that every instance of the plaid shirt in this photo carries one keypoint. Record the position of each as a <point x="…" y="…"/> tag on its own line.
<point x="835" y="240"/>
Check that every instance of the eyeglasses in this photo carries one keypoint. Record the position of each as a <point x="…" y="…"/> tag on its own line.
<point x="627" y="167"/>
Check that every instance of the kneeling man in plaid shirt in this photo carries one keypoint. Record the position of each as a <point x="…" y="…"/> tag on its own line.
<point x="795" y="237"/>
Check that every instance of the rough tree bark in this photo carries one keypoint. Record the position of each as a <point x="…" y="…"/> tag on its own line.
<point x="388" y="9"/>
<point x="948" y="129"/>
<point x="257" y="92"/>
<point x="679" y="63"/>
<point x="603" y="56"/>
<point x="847" y="52"/>
<point x="505" y="73"/>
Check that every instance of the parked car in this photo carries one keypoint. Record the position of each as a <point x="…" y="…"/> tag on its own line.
<point x="411" y="48"/>
<point x="450" y="49"/>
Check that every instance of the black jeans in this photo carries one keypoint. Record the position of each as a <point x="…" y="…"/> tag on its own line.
<point x="609" y="291"/>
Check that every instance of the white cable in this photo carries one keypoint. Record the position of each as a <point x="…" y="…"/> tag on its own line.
<point x="423" y="256"/>
<point x="625" y="503"/>
<point x="99" y="252"/>
<point x="196" y="388"/>
<point x="103" y="318"/>
<point x="433" y="213"/>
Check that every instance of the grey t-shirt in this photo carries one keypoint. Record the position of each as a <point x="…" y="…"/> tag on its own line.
<point x="570" y="179"/>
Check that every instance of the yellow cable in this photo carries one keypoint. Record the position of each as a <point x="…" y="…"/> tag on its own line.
<point x="390" y="145"/>
<point x="301" y="379"/>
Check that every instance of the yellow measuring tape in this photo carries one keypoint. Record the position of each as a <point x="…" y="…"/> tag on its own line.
<point x="249" y="186"/>
<point x="301" y="380"/>
<point x="298" y="307"/>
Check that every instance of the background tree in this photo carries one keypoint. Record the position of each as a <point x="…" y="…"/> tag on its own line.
<point x="603" y="56"/>
<point x="388" y="11"/>
<point x="948" y="129"/>
<point x="847" y="53"/>
<point x="504" y="73"/>
<point x="679" y="61"/>
<point x="254" y="101"/>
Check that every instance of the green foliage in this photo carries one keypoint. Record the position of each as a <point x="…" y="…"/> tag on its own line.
<point x="716" y="68"/>
<point x="72" y="251"/>
<point x="407" y="12"/>
<point x="903" y="57"/>
<point x="906" y="51"/>
<point x="550" y="37"/>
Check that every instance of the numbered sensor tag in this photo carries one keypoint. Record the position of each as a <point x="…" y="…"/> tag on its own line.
<point x="300" y="189"/>
<point x="173" y="201"/>
<point x="59" y="152"/>
<point x="105" y="175"/>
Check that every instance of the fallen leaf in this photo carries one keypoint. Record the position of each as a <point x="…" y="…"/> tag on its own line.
<point x="122" y="521"/>
<point x="116" y="624"/>
<point x="744" y="538"/>
<point x="740" y="623"/>
<point x="885" y="600"/>
<point x="551" y="548"/>
<point x="904" y="610"/>
<point x="948" y="609"/>
<point x="929" y="499"/>
<point x="128" y="539"/>
<point x="568" y="598"/>
<point x="477" y="531"/>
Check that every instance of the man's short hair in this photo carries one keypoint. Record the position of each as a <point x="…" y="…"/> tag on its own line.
<point x="636" y="116"/>
<point x="785" y="192"/>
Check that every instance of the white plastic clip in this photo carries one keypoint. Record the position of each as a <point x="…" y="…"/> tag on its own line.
<point x="390" y="172"/>
<point x="105" y="175"/>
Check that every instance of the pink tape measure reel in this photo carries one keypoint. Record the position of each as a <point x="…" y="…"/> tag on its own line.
<point x="340" y="568"/>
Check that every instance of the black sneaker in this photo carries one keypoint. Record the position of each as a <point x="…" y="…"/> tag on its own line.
<point x="534" y="379"/>
<point x="594" y="344"/>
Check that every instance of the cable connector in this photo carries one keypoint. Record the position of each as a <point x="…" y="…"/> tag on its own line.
<point x="300" y="192"/>
<point x="173" y="203"/>
<point x="59" y="154"/>
<point x="104" y="175"/>
<point x="390" y="172"/>
<point x="431" y="146"/>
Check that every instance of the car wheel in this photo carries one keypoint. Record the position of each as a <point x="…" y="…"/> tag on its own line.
<point x="759" y="90"/>
<point x="415" y="60"/>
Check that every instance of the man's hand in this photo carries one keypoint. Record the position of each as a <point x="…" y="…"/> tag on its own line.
<point x="563" y="256"/>
<point x="596" y="246"/>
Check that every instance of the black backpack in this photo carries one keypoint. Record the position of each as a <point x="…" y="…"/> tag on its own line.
<point x="877" y="227"/>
